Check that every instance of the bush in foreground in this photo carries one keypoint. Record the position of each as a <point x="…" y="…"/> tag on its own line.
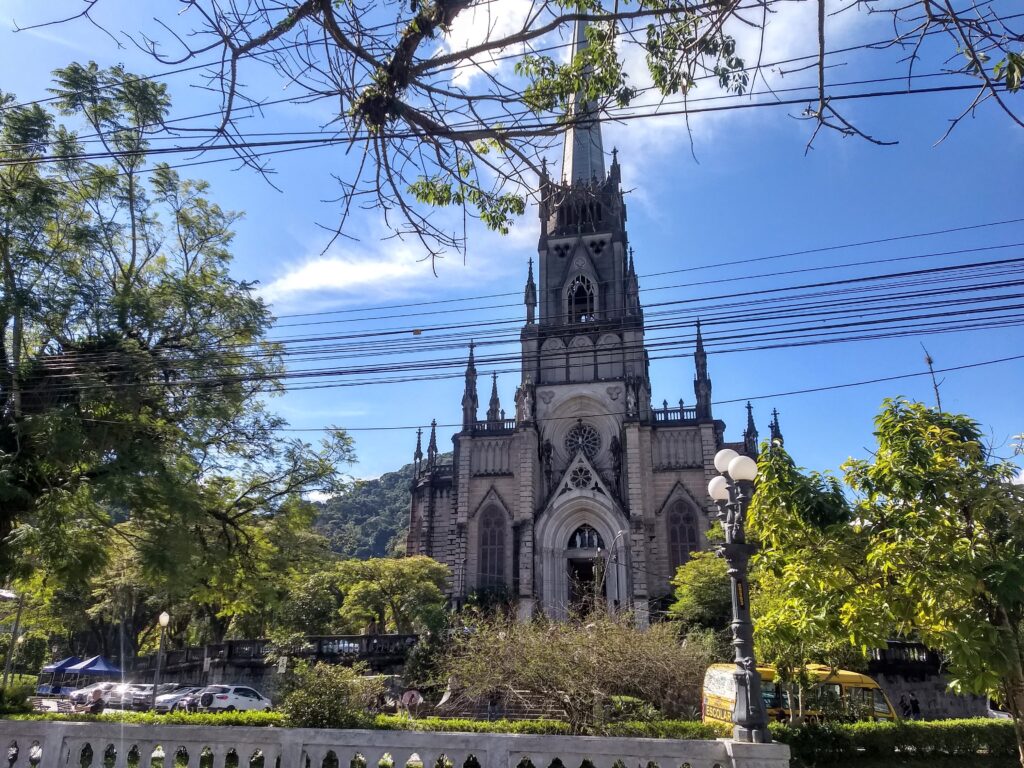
<point x="829" y="743"/>
<point x="332" y="696"/>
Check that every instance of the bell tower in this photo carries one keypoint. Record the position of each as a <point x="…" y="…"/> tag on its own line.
<point x="589" y="323"/>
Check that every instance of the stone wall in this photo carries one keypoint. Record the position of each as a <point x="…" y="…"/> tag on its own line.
<point x="935" y="699"/>
<point x="60" y="744"/>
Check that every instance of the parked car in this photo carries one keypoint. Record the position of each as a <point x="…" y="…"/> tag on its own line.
<point x="190" y="701"/>
<point x="142" y="698"/>
<point x="84" y="695"/>
<point x="172" y="701"/>
<point x="228" y="698"/>
<point x="120" y="696"/>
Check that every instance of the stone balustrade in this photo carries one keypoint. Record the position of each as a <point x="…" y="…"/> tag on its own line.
<point x="50" y="744"/>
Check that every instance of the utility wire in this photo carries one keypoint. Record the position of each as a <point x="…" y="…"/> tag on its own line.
<point x="680" y="305"/>
<point x="748" y="398"/>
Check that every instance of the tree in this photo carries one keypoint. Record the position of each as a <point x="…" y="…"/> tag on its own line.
<point x="405" y="594"/>
<point x="932" y="547"/>
<point x="420" y="91"/>
<point x="703" y="601"/>
<point x="135" y="438"/>
<point x="579" y="664"/>
<point x="134" y="366"/>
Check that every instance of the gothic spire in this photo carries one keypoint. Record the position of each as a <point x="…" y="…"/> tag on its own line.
<point x="702" y="382"/>
<point x="432" y="445"/>
<point x="632" y="287"/>
<point x="494" y="407"/>
<point x="776" y="430"/>
<point x="417" y="455"/>
<point x="750" y="433"/>
<point x="582" y="152"/>
<point x="469" y="397"/>
<point x="530" y="296"/>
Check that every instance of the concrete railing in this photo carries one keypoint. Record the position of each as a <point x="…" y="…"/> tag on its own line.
<point x="49" y="744"/>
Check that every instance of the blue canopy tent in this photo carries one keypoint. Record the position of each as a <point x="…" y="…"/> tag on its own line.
<point x="92" y="670"/>
<point x="97" y="666"/>
<point x="52" y="676"/>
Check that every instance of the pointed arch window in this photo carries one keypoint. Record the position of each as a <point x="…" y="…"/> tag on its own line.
<point x="683" y="537"/>
<point x="582" y="300"/>
<point x="492" y="549"/>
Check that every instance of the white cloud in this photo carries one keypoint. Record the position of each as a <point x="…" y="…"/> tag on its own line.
<point x="383" y="270"/>
<point x="1019" y="480"/>
<point x="483" y="22"/>
<point x="358" y="275"/>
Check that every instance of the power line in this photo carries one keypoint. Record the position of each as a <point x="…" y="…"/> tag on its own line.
<point x="749" y="398"/>
<point x="479" y="329"/>
<point x="526" y="129"/>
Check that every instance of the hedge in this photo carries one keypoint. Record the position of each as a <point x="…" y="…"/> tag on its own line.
<point x="256" y="719"/>
<point x="658" y="729"/>
<point x="461" y="725"/>
<point x="828" y="743"/>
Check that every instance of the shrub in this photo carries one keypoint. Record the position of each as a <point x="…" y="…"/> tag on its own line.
<point x="826" y="743"/>
<point x="578" y="665"/>
<point x="14" y="699"/>
<point x="669" y="729"/>
<point x="332" y="696"/>
<point x="456" y="725"/>
<point x="252" y="719"/>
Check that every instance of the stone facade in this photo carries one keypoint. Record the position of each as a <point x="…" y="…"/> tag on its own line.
<point x="589" y="488"/>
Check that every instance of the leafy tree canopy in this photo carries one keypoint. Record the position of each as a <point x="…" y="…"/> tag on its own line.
<point x="140" y="466"/>
<point x="931" y="546"/>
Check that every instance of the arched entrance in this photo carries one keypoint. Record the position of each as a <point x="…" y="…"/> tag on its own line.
<point x="587" y="569"/>
<point x="582" y="555"/>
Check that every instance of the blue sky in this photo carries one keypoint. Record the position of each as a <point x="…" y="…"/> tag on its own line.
<point x="750" y="192"/>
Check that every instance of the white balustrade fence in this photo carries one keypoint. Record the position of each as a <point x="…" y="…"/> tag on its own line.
<point x="51" y="744"/>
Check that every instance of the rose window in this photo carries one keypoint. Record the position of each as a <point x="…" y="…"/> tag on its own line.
<point x="585" y="438"/>
<point x="580" y="477"/>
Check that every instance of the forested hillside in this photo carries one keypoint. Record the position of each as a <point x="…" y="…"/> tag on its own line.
<point x="370" y="520"/>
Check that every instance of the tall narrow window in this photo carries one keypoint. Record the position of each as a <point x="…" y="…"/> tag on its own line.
<point x="582" y="302"/>
<point x="492" y="549"/>
<point x="683" y="538"/>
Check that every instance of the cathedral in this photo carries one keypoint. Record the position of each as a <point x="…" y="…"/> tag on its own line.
<point x="591" y="488"/>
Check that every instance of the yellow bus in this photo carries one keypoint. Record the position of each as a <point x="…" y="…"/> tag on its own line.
<point x="857" y="694"/>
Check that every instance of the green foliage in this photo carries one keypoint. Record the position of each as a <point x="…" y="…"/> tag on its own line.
<point x="370" y="518"/>
<point x="801" y="520"/>
<point x="669" y="729"/>
<point x="139" y="466"/>
<point x="577" y="665"/>
<point x="932" y="548"/>
<point x="14" y="699"/>
<point x="250" y="719"/>
<point x="404" y="595"/>
<point x="832" y="743"/>
<point x="703" y="598"/>
<point x="332" y="696"/>
<point x="654" y="729"/>
<point x="464" y="725"/>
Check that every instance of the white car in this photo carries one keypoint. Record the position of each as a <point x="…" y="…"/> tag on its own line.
<point x="84" y="695"/>
<point x="229" y="698"/>
<point x="120" y="696"/>
<point x="172" y="701"/>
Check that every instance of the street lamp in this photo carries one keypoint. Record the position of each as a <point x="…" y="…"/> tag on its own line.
<point x="613" y="557"/>
<point x="731" y="492"/>
<point x="165" y="619"/>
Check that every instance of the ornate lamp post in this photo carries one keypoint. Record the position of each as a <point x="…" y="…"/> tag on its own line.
<point x="732" y="491"/>
<point x="165" y="619"/>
